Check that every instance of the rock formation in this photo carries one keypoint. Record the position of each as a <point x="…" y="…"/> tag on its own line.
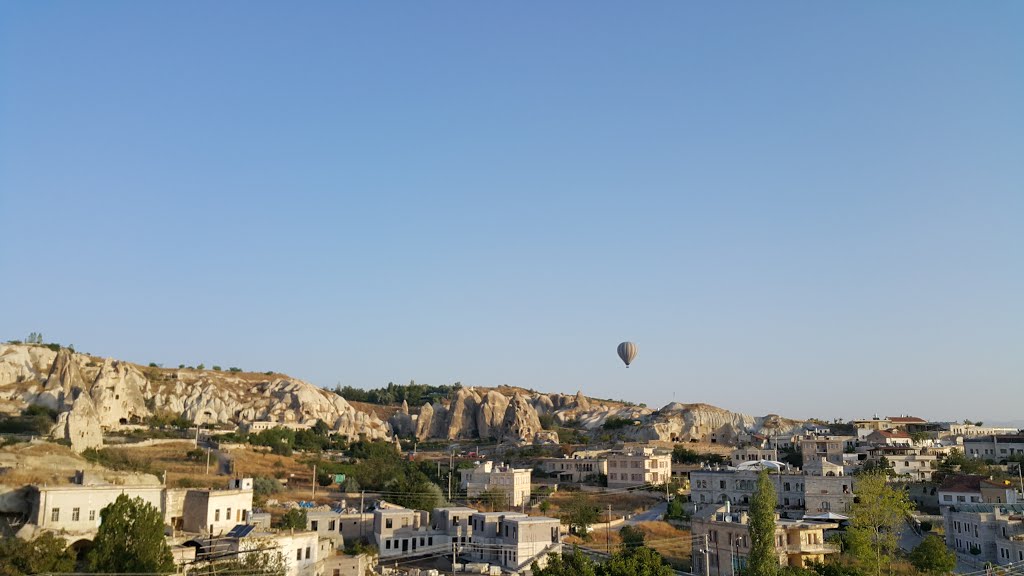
<point x="521" y="422"/>
<point x="93" y="395"/>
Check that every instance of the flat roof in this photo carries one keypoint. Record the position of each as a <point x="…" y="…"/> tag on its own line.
<point x="532" y="519"/>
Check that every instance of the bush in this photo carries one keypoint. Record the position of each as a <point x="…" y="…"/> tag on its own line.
<point x="216" y="368"/>
<point x="118" y="460"/>
<point x="926" y="526"/>
<point x="234" y="369"/>
<point x="294" y="518"/>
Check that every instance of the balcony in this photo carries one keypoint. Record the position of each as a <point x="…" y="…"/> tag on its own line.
<point x="823" y="548"/>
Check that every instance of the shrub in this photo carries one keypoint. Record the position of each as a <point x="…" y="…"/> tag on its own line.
<point x="216" y="368"/>
<point x="234" y="369"/>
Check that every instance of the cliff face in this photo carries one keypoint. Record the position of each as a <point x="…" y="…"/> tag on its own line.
<point x="92" y="396"/>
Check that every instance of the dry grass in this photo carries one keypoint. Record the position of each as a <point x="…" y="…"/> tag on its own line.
<point x="673" y="544"/>
<point x="622" y="503"/>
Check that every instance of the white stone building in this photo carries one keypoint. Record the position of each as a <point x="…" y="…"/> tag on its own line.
<point x="638" y="466"/>
<point x="501" y="478"/>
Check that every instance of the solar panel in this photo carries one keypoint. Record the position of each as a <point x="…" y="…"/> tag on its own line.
<point x="241" y="531"/>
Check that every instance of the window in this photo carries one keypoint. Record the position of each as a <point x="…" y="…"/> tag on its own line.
<point x="947" y="498"/>
<point x="388" y="523"/>
<point x="308" y="550"/>
<point x="92" y="515"/>
<point x="298" y="553"/>
<point x="227" y="514"/>
<point x="216" y="515"/>
<point x="331" y="526"/>
<point x="387" y="544"/>
<point x="74" y="514"/>
<point x="55" y="515"/>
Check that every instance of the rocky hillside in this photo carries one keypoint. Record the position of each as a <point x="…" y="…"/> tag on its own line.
<point x="515" y="415"/>
<point x="93" y="395"/>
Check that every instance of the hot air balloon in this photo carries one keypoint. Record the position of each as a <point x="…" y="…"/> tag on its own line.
<point x="627" y="351"/>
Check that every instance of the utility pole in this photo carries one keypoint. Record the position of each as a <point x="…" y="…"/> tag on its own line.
<point x="453" y="557"/>
<point x="608" y="533"/>
<point x="451" y="465"/>
<point x="207" y="460"/>
<point x="313" y="495"/>
<point x="707" y="556"/>
<point x="362" y="495"/>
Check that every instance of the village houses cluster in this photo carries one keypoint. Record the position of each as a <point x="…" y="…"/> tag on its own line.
<point x="983" y="518"/>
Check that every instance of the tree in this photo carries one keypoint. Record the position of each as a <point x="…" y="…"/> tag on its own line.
<point x="46" y="553"/>
<point x="566" y="564"/>
<point x="294" y="518"/>
<point x="683" y="455"/>
<point x="130" y="539"/>
<point x="932" y="557"/>
<point x="579" y="514"/>
<point x="879" y="466"/>
<point x="641" y="561"/>
<point x="675" y="510"/>
<point x="763" y="559"/>
<point x="876" y="518"/>
<point x="632" y="537"/>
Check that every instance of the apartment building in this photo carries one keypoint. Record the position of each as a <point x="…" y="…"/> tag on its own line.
<point x="916" y="464"/>
<point x="216" y="511"/>
<point x="997" y="448"/>
<point x="831" y="448"/>
<point x="575" y="469"/>
<point x="298" y="551"/>
<point x="74" y="510"/>
<point x="752" y="454"/>
<point x="501" y="478"/>
<point x="889" y="438"/>
<point x="513" y="541"/>
<point x="726" y="542"/>
<point x="983" y="534"/>
<point x="821" y="487"/>
<point x="961" y="489"/>
<point x="403" y="532"/>
<point x="638" y="466"/>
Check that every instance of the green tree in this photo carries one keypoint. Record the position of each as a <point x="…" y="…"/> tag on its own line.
<point x="46" y="553"/>
<point x="880" y="466"/>
<point x="675" y="510"/>
<point x="641" y="561"/>
<point x="763" y="559"/>
<point x="932" y="557"/>
<point x="632" y="537"/>
<point x="579" y="514"/>
<point x="130" y="539"/>
<point x="294" y="518"/>
<point x="876" y="518"/>
<point x="683" y="455"/>
<point x="566" y="564"/>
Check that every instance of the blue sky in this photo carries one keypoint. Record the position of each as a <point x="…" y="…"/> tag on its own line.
<point x="791" y="207"/>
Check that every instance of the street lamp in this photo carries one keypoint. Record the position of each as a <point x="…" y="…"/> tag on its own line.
<point x="735" y="555"/>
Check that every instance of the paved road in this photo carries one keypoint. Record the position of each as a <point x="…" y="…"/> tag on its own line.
<point x="653" y="513"/>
